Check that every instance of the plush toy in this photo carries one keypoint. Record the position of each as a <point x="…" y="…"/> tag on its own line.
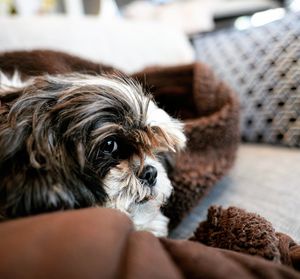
<point x="235" y="229"/>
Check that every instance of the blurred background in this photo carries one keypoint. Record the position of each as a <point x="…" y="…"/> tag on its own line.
<point x="203" y="15"/>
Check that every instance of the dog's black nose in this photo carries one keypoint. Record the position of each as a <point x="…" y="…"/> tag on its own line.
<point x="149" y="175"/>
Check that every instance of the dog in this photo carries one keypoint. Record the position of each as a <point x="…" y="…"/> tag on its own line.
<point x="74" y="141"/>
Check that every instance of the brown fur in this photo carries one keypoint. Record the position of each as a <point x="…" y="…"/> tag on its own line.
<point x="50" y="139"/>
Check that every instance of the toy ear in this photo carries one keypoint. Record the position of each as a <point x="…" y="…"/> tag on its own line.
<point x="235" y="229"/>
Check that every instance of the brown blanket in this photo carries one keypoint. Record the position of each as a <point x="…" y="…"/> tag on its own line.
<point x="101" y="243"/>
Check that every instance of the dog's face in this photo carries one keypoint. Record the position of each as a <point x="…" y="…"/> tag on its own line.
<point x="78" y="141"/>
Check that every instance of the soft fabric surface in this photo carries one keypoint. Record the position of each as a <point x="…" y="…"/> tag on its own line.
<point x="265" y="180"/>
<point x="263" y="65"/>
<point x="102" y="243"/>
<point x="207" y="106"/>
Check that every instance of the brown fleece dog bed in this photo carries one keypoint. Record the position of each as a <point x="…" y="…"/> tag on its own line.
<point x="207" y="106"/>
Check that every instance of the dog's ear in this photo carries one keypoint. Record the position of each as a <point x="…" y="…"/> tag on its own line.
<point x="41" y="171"/>
<point x="11" y="138"/>
<point x="162" y="124"/>
<point x="28" y="186"/>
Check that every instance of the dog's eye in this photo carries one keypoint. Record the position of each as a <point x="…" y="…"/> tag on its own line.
<point x="110" y="146"/>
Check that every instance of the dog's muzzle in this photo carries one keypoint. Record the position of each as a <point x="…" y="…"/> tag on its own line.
<point x="148" y="176"/>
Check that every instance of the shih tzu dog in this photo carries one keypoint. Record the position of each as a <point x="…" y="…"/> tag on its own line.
<point x="75" y="141"/>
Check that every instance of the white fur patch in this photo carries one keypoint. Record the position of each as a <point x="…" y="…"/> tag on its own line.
<point x="12" y="82"/>
<point x="125" y="192"/>
<point x="116" y="83"/>
<point x="173" y="127"/>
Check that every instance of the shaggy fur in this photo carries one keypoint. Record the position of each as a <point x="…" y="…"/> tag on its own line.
<point x="77" y="141"/>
